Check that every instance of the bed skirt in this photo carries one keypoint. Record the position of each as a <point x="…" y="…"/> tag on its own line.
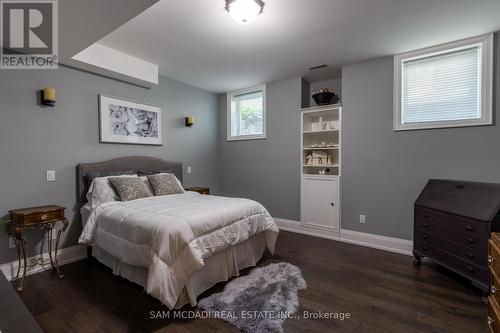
<point x="219" y="267"/>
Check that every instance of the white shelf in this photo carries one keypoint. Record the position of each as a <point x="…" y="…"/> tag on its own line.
<point x="320" y="194"/>
<point x="322" y="148"/>
<point x="317" y="132"/>
<point x="321" y="166"/>
<point x="322" y="108"/>
<point x="316" y="175"/>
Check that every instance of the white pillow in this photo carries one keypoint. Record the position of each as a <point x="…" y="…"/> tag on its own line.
<point x="101" y="191"/>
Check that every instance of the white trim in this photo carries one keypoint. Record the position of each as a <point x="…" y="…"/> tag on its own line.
<point x="391" y="244"/>
<point x="486" y="42"/>
<point x="229" y="96"/>
<point x="65" y="256"/>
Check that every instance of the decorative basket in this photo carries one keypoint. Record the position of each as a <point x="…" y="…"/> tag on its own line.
<point x="325" y="98"/>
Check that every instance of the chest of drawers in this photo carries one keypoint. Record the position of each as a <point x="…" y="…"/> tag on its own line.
<point x="494" y="299"/>
<point x="452" y="224"/>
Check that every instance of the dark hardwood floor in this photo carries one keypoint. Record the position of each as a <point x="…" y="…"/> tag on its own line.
<point x="382" y="291"/>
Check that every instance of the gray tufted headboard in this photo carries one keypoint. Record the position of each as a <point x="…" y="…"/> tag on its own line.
<point x="142" y="163"/>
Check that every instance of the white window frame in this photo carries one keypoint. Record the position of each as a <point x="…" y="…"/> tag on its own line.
<point x="486" y="97"/>
<point x="230" y="96"/>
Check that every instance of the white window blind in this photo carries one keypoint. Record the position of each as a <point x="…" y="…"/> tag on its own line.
<point x="445" y="86"/>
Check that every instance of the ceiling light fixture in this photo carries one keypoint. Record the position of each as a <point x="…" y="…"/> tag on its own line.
<point x="244" y="11"/>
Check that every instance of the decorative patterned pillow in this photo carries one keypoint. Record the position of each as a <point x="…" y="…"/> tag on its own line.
<point x="130" y="188"/>
<point x="165" y="184"/>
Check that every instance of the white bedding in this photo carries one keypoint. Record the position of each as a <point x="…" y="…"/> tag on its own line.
<point x="172" y="235"/>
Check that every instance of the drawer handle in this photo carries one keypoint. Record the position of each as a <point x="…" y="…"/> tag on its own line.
<point x="425" y="248"/>
<point x="425" y="236"/>
<point x="491" y="259"/>
<point x="426" y="225"/>
<point x="469" y="228"/>
<point x="470" y="241"/>
<point x="427" y="216"/>
<point x="493" y="289"/>
<point x="470" y="255"/>
<point x="460" y="186"/>
<point x="43" y="217"/>
<point x="491" y="321"/>
<point x="470" y="269"/>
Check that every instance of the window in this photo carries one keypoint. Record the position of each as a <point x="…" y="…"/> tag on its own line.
<point x="444" y="86"/>
<point x="246" y="116"/>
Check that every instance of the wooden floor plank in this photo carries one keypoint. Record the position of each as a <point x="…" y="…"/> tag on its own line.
<point x="382" y="291"/>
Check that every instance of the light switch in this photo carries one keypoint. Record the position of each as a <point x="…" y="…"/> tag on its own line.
<point x="189" y="169"/>
<point x="362" y="219"/>
<point x="51" y="175"/>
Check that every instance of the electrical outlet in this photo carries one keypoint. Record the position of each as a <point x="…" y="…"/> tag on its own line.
<point x="362" y="219"/>
<point x="189" y="169"/>
<point x="51" y="175"/>
<point x="12" y="244"/>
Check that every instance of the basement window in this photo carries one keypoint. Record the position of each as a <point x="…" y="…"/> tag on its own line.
<point x="246" y="114"/>
<point x="444" y="86"/>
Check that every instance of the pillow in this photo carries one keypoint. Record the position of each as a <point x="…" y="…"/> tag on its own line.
<point x="130" y="188"/>
<point x="100" y="191"/>
<point x="148" y="185"/>
<point x="165" y="184"/>
<point x="155" y="172"/>
<point x="98" y="174"/>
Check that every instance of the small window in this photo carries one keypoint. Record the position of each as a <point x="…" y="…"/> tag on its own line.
<point x="246" y="116"/>
<point x="444" y="86"/>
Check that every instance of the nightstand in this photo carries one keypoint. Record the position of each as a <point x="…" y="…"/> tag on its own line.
<point x="44" y="218"/>
<point x="199" y="189"/>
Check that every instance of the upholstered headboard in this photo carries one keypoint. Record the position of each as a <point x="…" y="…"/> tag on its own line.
<point x="141" y="163"/>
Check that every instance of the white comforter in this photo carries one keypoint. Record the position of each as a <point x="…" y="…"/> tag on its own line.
<point x="171" y="235"/>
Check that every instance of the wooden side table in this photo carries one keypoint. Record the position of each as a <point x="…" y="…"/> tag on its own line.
<point x="199" y="189"/>
<point x="45" y="218"/>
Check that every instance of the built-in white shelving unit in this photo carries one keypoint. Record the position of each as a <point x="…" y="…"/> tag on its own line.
<point x="321" y="167"/>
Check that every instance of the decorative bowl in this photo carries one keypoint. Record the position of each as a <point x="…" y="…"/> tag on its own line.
<point x="325" y="98"/>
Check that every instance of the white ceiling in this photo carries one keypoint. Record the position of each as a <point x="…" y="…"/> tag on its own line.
<point x="198" y="43"/>
<point x="82" y="23"/>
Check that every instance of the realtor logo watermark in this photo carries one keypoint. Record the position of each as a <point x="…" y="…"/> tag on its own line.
<point x="29" y="34"/>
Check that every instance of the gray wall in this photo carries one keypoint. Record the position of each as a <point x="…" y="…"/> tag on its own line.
<point x="267" y="170"/>
<point x="383" y="170"/>
<point x="333" y="84"/>
<point x="34" y="140"/>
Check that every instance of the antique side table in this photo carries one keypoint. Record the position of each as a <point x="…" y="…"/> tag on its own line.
<point x="45" y="218"/>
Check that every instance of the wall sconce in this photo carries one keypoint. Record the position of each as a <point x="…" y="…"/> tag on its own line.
<point x="48" y="97"/>
<point x="189" y="121"/>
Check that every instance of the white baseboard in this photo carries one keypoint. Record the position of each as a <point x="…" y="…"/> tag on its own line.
<point x="64" y="256"/>
<point x="391" y="244"/>
<point x="397" y="245"/>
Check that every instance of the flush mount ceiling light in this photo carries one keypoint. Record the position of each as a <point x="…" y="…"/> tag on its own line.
<point x="244" y="11"/>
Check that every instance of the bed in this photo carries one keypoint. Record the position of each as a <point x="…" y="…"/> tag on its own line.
<point x="175" y="246"/>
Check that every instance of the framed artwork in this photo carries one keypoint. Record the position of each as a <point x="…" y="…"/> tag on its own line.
<point x="124" y="121"/>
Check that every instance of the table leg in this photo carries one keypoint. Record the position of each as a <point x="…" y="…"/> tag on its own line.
<point x="23" y="244"/>
<point x="54" y="262"/>
<point x="18" y="248"/>
<point x="49" y="246"/>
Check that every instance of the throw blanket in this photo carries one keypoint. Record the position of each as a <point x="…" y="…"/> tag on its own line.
<point x="172" y="235"/>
